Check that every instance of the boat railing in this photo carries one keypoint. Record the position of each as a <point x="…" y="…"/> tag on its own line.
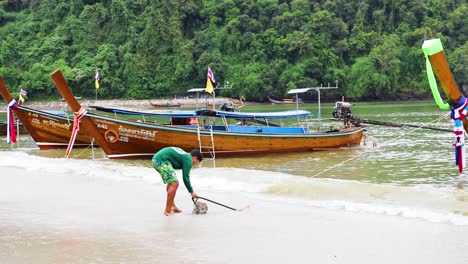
<point x="316" y="125"/>
<point x="304" y="90"/>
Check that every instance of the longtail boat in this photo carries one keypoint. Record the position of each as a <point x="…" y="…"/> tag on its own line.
<point x="166" y="105"/>
<point x="49" y="130"/>
<point x="125" y="138"/>
<point x="218" y="103"/>
<point x="437" y="68"/>
<point x="283" y="101"/>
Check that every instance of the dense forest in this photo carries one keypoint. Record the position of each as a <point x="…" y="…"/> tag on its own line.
<point x="161" y="48"/>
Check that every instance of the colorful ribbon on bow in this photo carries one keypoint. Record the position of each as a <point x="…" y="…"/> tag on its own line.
<point x="76" y="127"/>
<point x="11" y="132"/>
<point x="458" y="114"/>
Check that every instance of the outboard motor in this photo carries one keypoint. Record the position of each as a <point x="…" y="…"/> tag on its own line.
<point x="228" y="107"/>
<point x="343" y="111"/>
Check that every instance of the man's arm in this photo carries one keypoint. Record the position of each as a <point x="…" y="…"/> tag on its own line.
<point x="186" y="175"/>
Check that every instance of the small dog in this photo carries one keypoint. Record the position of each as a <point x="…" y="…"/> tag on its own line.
<point x="200" y="208"/>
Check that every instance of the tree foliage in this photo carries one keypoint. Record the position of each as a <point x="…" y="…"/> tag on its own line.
<point x="146" y="49"/>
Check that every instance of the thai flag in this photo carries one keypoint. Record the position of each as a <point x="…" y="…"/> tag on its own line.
<point x="211" y="75"/>
<point x="22" y="94"/>
<point x="96" y="76"/>
<point x="11" y="133"/>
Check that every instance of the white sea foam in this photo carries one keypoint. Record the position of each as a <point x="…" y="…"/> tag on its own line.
<point x="403" y="211"/>
<point x="425" y="203"/>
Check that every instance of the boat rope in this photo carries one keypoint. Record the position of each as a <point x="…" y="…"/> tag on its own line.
<point x="76" y="127"/>
<point x="90" y="146"/>
<point x="11" y="133"/>
<point x="364" y="152"/>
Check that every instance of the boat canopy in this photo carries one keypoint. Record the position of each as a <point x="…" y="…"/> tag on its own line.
<point x="247" y="115"/>
<point x="300" y="90"/>
<point x="196" y="90"/>
<point x="179" y="114"/>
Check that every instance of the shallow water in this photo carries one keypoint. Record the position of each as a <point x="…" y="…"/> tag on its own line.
<point x="401" y="194"/>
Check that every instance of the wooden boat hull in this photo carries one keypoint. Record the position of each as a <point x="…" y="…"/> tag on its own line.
<point x="166" y="105"/>
<point x="129" y="139"/>
<point x="50" y="131"/>
<point x="284" y="101"/>
<point x="436" y="55"/>
<point x="19" y="128"/>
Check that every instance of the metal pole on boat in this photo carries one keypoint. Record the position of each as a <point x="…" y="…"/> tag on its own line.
<point x="318" y="112"/>
<point x="297" y="107"/>
<point x="214" y="103"/>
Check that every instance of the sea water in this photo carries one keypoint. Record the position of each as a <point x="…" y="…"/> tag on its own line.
<point x="397" y="199"/>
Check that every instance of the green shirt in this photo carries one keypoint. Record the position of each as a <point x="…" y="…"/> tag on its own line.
<point x="179" y="160"/>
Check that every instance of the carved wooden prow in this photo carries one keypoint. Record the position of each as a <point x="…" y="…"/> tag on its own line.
<point x="438" y="66"/>
<point x="75" y="106"/>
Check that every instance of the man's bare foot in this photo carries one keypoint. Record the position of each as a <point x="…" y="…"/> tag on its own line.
<point x="168" y="213"/>
<point x="175" y="209"/>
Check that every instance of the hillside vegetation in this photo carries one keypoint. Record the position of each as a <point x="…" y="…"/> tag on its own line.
<point x="161" y="48"/>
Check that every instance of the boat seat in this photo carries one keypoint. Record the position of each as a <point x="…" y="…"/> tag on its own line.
<point x="284" y="130"/>
<point x="268" y="130"/>
<point x="244" y="129"/>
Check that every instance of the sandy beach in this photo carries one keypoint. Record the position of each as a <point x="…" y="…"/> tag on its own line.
<point x="85" y="211"/>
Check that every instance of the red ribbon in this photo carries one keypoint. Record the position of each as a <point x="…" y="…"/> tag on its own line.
<point x="11" y="132"/>
<point x="76" y="127"/>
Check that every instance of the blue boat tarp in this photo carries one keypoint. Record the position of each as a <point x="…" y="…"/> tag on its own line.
<point x="56" y="112"/>
<point x="208" y="112"/>
<point x="268" y="130"/>
<point x="179" y="114"/>
<point x="254" y="115"/>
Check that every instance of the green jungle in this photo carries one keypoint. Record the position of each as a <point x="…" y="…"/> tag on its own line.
<point x="161" y="48"/>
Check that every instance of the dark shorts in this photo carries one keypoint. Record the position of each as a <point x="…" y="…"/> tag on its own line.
<point x="166" y="171"/>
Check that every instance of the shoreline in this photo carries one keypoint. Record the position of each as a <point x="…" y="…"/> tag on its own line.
<point x="116" y="103"/>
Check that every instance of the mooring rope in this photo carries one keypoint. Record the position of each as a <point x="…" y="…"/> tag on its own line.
<point x="89" y="146"/>
<point x="83" y="150"/>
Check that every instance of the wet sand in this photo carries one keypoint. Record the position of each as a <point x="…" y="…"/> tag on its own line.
<point x="49" y="216"/>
